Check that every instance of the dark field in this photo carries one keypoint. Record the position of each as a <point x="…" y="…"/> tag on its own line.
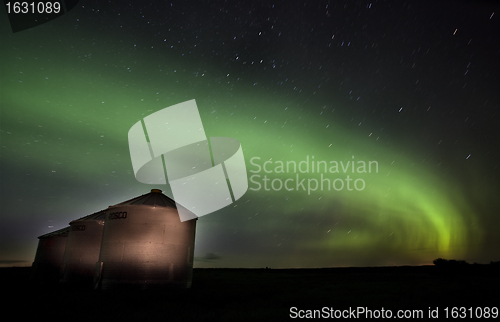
<point x="261" y="294"/>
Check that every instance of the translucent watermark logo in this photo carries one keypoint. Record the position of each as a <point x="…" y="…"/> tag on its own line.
<point x="204" y="174"/>
<point x="330" y="174"/>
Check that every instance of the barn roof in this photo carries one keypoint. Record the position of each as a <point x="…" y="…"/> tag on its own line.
<point x="100" y="215"/>
<point x="58" y="233"/>
<point x="155" y="198"/>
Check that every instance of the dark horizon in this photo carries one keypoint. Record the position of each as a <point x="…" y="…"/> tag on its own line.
<point x="411" y="85"/>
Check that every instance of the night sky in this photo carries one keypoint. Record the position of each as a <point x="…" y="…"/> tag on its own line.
<point x="412" y="85"/>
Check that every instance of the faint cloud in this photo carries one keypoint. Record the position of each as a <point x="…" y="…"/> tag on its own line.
<point x="209" y="257"/>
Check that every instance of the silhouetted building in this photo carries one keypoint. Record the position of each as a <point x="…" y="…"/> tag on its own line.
<point x="82" y="249"/>
<point x="46" y="267"/>
<point x="139" y="243"/>
<point x="145" y="245"/>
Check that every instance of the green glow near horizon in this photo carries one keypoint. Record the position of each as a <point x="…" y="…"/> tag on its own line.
<point x="76" y="124"/>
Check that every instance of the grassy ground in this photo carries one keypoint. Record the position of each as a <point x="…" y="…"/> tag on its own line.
<point x="260" y="294"/>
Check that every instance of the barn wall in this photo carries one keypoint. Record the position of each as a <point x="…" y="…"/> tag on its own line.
<point x="49" y="256"/>
<point x="82" y="251"/>
<point x="146" y="247"/>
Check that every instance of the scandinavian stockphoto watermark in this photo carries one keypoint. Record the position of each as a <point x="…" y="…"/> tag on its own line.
<point x="204" y="174"/>
<point x="310" y="174"/>
<point x="207" y="174"/>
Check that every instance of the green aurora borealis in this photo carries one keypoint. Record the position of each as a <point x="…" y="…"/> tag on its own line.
<point x="69" y="96"/>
